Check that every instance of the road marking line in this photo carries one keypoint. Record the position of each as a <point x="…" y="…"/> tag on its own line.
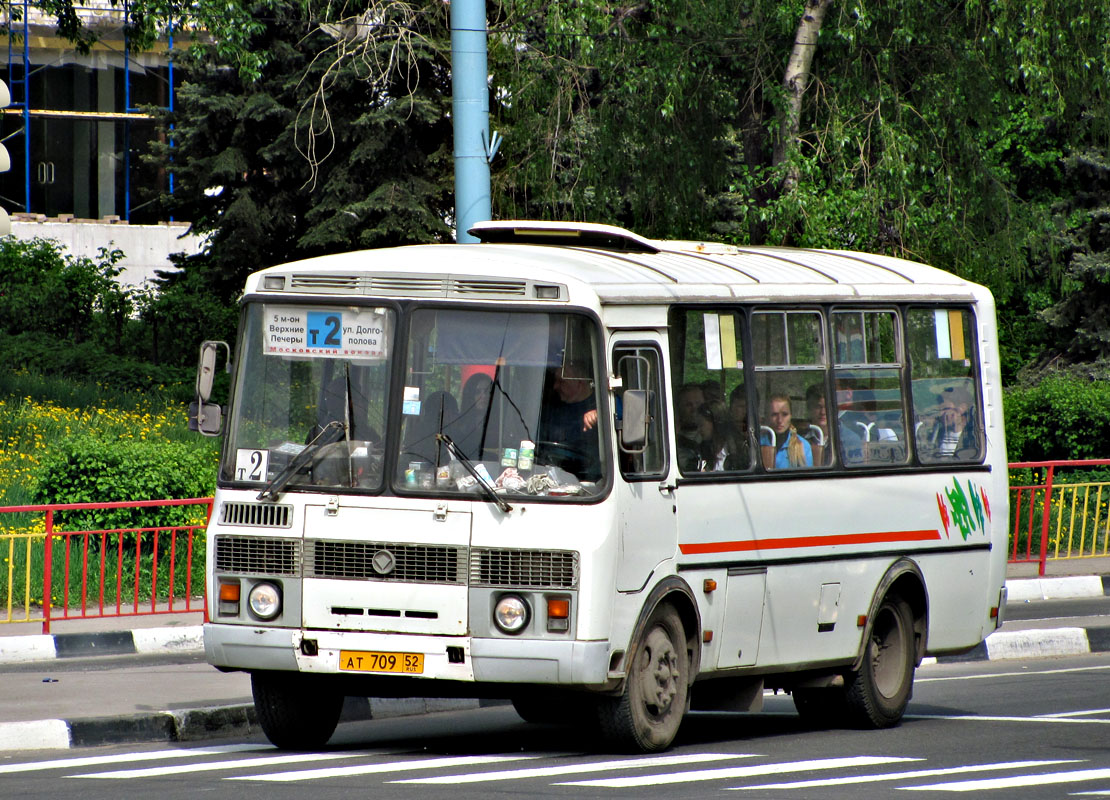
<point x="1014" y="781"/>
<point x="740" y="772"/>
<point x="896" y="776"/>
<point x="976" y="718"/>
<point x="92" y="761"/>
<point x="212" y="766"/>
<point x="1076" y="713"/>
<point x="576" y="769"/>
<point x="374" y="769"/>
<point x="1025" y="674"/>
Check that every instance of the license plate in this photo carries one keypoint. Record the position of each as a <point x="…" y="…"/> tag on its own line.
<point x="371" y="661"/>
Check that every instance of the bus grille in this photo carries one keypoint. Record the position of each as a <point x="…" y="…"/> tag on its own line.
<point x="533" y="569"/>
<point x="258" y="515"/>
<point x="257" y="555"/>
<point x="409" y="563"/>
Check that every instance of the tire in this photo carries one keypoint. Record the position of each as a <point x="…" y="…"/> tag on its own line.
<point x="877" y="695"/>
<point x="295" y="713"/>
<point x="648" y="713"/>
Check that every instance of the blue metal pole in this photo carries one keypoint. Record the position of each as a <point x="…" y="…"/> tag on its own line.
<point x="470" y="112"/>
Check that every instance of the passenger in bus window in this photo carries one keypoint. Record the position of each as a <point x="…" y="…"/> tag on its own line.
<point x="786" y="450"/>
<point x="739" y="435"/>
<point x="850" y="423"/>
<point x="473" y="415"/>
<point x="816" y="431"/>
<point x="689" y="399"/>
<point x="953" y="434"/>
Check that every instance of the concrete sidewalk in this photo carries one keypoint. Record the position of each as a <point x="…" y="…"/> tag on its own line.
<point x="88" y="683"/>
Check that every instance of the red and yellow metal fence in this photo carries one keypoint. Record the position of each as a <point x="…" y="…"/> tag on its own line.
<point x="70" y="561"/>
<point x="1058" y="511"/>
<point x="58" y="566"/>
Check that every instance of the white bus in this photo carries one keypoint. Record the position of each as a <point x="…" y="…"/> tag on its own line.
<point x="611" y="479"/>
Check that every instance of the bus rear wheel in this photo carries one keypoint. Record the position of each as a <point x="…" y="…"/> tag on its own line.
<point x="295" y="713"/>
<point x="877" y="694"/>
<point x="647" y="714"/>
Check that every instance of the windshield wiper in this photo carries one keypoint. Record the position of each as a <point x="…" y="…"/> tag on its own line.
<point x="489" y="491"/>
<point x="332" y="432"/>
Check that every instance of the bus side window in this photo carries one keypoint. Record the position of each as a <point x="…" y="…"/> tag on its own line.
<point x="871" y="420"/>
<point x="944" y="387"/>
<point x="639" y="370"/>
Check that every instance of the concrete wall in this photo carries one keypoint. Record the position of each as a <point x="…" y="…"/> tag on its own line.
<point x="146" y="247"/>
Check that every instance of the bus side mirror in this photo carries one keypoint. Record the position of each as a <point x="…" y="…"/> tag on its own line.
<point x="634" y="420"/>
<point x="204" y="416"/>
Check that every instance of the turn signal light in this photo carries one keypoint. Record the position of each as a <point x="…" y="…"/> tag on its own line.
<point x="229" y="599"/>
<point x="558" y="614"/>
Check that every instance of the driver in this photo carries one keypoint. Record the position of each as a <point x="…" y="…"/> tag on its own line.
<point x="570" y="420"/>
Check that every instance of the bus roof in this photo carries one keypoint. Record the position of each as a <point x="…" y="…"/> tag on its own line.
<point x="514" y="257"/>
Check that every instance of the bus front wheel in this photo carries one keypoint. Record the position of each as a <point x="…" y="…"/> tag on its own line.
<point x="877" y="694"/>
<point x="294" y="713"/>
<point x="647" y="714"/>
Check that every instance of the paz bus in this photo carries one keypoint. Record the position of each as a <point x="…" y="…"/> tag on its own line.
<point x="608" y="478"/>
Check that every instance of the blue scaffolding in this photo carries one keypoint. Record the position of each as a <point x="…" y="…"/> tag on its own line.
<point x="19" y="64"/>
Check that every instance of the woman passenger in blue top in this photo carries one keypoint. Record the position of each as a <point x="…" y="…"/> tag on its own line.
<point x="788" y="450"/>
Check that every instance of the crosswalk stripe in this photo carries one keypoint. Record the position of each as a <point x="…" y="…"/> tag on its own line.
<point x="375" y="769"/>
<point x="577" y="769"/>
<point x="897" y="776"/>
<point x="156" y="755"/>
<point x="213" y="766"/>
<point x="740" y="772"/>
<point x="1015" y="781"/>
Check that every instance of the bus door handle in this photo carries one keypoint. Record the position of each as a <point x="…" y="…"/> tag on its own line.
<point x="666" y="488"/>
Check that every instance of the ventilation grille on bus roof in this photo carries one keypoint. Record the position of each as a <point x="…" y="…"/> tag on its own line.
<point x="406" y="285"/>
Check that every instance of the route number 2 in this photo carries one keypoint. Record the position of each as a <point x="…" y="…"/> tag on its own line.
<point x="250" y="465"/>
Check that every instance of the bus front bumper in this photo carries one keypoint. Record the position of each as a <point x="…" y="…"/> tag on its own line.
<point x="458" y="658"/>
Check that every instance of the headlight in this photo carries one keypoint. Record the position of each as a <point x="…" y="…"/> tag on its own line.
<point x="265" y="600"/>
<point x="510" y="614"/>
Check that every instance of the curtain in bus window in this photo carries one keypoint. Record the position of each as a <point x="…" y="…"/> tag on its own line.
<point x="469" y="337"/>
<point x="944" y="387"/>
<point x="871" y="423"/>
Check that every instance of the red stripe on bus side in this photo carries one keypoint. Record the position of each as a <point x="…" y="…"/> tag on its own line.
<point x="809" y="541"/>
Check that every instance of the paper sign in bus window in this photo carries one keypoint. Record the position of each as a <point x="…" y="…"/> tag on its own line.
<point x="712" y="341"/>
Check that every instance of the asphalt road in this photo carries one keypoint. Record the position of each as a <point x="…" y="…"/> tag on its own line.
<point x="1034" y="729"/>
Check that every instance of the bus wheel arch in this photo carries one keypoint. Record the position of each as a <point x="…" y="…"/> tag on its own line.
<point x="660" y="666"/>
<point x="879" y="686"/>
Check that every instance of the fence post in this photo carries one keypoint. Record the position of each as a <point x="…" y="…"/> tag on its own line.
<point x="1045" y="519"/>
<point x="47" y="570"/>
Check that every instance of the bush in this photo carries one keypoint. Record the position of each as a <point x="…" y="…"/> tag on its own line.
<point x="86" y="469"/>
<point x="1062" y="417"/>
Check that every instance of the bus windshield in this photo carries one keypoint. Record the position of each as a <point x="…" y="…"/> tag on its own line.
<point x="508" y="398"/>
<point x="505" y="398"/>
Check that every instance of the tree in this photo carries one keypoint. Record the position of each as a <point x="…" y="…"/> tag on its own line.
<point x="243" y="178"/>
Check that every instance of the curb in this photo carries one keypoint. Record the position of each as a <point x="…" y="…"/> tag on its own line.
<point x="141" y="641"/>
<point x="1035" y="643"/>
<point x="1070" y="588"/>
<point x="193" y="725"/>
